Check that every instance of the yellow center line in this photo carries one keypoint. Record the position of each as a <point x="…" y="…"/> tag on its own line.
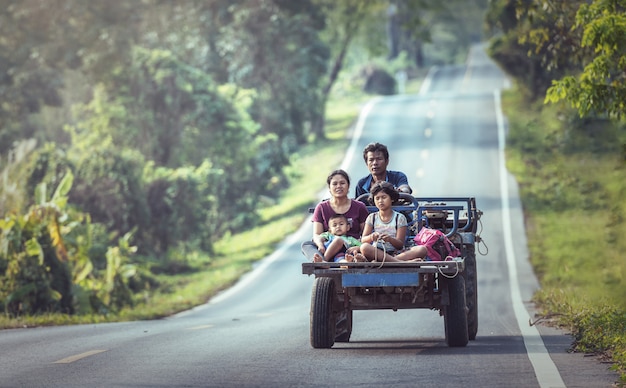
<point x="77" y="357"/>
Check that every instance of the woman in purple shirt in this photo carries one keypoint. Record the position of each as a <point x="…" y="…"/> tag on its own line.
<point x="339" y="187"/>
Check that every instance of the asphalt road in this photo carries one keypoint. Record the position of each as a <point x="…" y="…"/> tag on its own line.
<point x="449" y="141"/>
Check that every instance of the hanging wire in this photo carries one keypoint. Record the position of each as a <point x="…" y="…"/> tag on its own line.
<point x="480" y="240"/>
<point x="450" y="276"/>
<point x="381" y="241"/>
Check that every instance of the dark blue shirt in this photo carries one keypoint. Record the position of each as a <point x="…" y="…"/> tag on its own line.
<point x="396" y="178"/>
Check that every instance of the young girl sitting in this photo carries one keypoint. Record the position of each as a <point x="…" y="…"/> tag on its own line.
<point x="385" y="231"/>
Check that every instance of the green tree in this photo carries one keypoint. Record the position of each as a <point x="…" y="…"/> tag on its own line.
<point x="449" y="26"/>
<point x="272" y="47"/>
<point x="28" y="77"/>
<point x="600" y="89"/>
<point x="169" y="105"/>
<point x="536" y="42"/>
<point x="344" y="20"/>
<point x="48" y="46"/>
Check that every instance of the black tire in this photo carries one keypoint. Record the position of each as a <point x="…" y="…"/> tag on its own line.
<point x="344" y="326"/>
<point x="455" y="314"/>
<point x="471" y="291"/>
<point x="322" y="313"/>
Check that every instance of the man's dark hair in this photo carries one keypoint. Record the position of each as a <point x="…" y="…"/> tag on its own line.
<point x="375" y="147"/>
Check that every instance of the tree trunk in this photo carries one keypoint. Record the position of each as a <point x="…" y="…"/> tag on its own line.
<point x="319" y="122"/>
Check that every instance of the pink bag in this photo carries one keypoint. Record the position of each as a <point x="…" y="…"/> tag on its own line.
<point x="439" y="247"/>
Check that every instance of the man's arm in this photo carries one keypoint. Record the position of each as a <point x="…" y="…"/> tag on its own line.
<point x="405" y="189"/>
<point x="401" y="182"/>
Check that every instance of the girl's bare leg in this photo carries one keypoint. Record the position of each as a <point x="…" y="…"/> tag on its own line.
<point x="415" y="253"/>
<point x="374" y="254"/>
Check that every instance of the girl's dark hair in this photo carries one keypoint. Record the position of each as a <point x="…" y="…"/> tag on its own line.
<point x="338" y="172"/>
<point x="385" y="187"/>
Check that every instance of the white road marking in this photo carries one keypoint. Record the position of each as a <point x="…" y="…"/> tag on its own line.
<point x="249" y="277"/>
<point x="426" y="83"/>
<point x="428" y="132"/>
<point x="293" y="239"/>
<point x="70" y="359"/>
<point x="200" y="327"/>
<point x="545" y="370"/>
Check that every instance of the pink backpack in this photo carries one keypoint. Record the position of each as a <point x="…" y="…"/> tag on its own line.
<point x="439" y="247"/>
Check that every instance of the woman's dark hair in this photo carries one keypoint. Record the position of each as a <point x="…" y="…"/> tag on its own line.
<point x="385" y="187"/>
<point x="375" y="147"/>
<point x="338" y="172"/>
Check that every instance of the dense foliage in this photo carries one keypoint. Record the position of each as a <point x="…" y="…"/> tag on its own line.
<point x="135" y="132"/>
<point x="162" y="122"/>
<point x="564" y="50"/>
<point x="601" y="87"/>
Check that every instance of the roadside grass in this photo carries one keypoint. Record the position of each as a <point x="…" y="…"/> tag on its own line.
<point x="571" y="175"/>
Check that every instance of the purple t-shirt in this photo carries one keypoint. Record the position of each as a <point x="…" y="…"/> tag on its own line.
<point x="356" y="216"/>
